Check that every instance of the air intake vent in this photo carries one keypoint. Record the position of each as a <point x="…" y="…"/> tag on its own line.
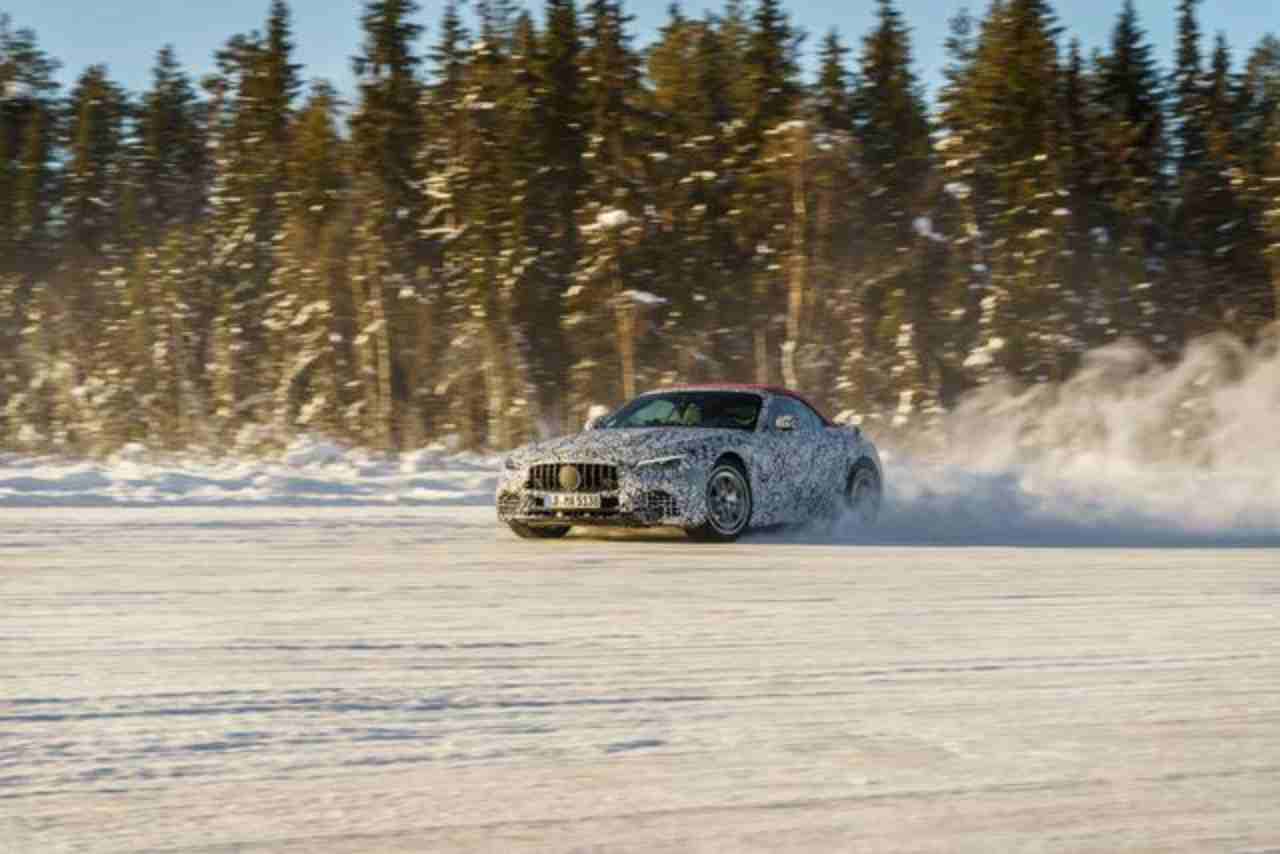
<point x="661" y="505"/>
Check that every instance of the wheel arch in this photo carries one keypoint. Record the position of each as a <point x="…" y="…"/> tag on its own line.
<point x="866" y="460"/>
<point x="736" y="459"/>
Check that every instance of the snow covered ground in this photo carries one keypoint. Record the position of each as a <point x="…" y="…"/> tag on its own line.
<point x="275" y="677"/>
<point x="310" y="472"/>
<point x="1061" y="637"/>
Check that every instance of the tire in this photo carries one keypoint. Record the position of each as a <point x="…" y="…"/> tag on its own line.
<point x="729" y="505"/>
<point x="863" y="495"/>
<point x="532" y="532"/>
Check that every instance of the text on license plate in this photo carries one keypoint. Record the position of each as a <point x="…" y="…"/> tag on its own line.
<point x="573" y="502"/>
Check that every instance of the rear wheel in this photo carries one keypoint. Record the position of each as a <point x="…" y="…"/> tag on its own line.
<point x="729" y="505"/>
<point x="863" y="495"/>
<point x="537" y="532"/>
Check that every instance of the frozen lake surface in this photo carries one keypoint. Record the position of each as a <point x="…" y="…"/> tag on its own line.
<point x="313" y="679"/>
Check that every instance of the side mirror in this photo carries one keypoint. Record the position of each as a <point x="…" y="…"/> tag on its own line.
<point x="593" y="423"/>
<point x="785" y="423"/>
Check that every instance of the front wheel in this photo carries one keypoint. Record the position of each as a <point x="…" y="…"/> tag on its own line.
<point x="534" y="532"/>
<point x="729" y="505"/>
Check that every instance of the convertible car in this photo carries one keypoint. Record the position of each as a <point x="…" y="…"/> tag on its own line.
<point x="712" y="460"/>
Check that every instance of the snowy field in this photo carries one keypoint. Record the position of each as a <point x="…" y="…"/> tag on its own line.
<point x="1063" y="636"/>
<point x="310" y="472"/>
<point x="409" y="678"/>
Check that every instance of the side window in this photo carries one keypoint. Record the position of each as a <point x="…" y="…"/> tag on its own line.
<point x="777" y="409"/>
<point x="807" y="420"/>
<point x="658" y="412"/>
<point x="786" y="406"/>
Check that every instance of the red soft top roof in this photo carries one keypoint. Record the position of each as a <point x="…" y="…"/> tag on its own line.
<point x="777" y="391"/>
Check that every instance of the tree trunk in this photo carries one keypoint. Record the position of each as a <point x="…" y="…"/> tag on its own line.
<point x="384" y="413"/>
<point x="419" y="369"/>
<point x="496" y="387"/>
<point x="624" y="308"/>
<point x="373" y="348"/>
<point x="497" y="358"/>
<point x="798" y="284"/>
<point x="760" y="328"/>
<point x="625" y="315"/>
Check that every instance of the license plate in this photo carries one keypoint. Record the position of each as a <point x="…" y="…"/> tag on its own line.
<point x="573" y="502"/>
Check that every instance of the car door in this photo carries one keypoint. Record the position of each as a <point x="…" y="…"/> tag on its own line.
<point x="789" y="460"/>
<point x="809" y="426"/>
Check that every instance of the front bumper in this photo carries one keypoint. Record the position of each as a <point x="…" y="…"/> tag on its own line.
<point x="642" y="500"/>
<point x="654" y="509"/>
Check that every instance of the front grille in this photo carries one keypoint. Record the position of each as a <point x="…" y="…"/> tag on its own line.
<point x="661" y="505"/>
<point x="591" y="477"/>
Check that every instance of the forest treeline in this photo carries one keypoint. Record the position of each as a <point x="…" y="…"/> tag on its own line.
<point x="518" y="215"/>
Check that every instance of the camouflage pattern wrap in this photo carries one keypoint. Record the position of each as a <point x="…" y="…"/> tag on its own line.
<point x="662" y="472"/>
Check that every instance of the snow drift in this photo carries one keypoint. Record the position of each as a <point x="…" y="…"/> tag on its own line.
<point x="310" y="472"/>
<point x="1128" y="451"/>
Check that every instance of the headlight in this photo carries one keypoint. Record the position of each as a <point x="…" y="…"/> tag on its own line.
<point x="675" y="462"/>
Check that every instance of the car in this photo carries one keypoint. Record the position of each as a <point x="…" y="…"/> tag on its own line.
<point x="713" y="460"/>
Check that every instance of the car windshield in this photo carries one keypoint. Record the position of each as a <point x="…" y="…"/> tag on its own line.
<point x="697" y="409"/>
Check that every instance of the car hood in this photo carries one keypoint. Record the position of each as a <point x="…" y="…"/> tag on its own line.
<point x="624" y="446"/>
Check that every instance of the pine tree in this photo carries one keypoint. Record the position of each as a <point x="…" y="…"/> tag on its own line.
<point x="1187" y="85"/>
<point x="1131" y="155"/>
<point x="961" y="54"/>
<point x="892" y="123"/>
<point x="1081" y="210"/>
<point x="603" y="312"/>
<point x="694" y="177"/>
<point x="387" y="124"/>
<point x="835" y="310"/>
<point x="1238" y="295"/>
<point x="764" y="197"/>
<point x="835" y="99"/>
<point x="261" y="80"/>
<point x="1259" y="104"/>
<point x="484" y="248"/>
<point x="1194" y="178"/>
<point x="1260" y="107"/>
<point x="309" y="352"/>
<point x="170" y="150"/>
<point x="533" y="282"/>
<point x="965" y="210"/>
<point x="28" y="196"/>
<point x="893" y="132"/>
<point x="95" y="169"/>
<point x="28" y="123"/>
<point x="687" y="177"/>
<point x="543" y="157"/>
<point x="440" y="382"/>
<point x="95" y="231"/>
<point x="386" y="137"/>
<point x="157" y="389"/>
<point x="1009" y="138"/>
<point x="770" y="66"/>
<point x="562" y="142"/>
<point x="449" y="55"/>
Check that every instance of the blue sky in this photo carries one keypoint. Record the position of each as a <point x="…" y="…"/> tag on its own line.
<point x="125" y="35"/>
